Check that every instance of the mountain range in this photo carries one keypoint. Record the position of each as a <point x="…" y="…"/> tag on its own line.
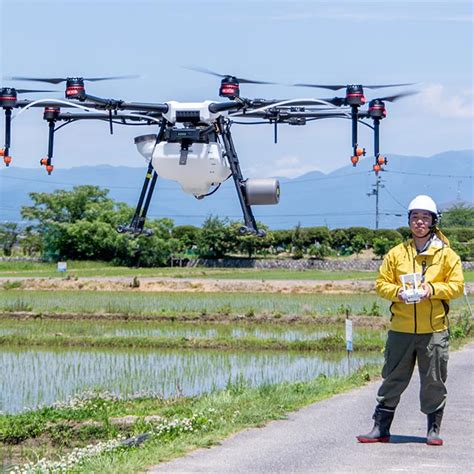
<point x="343" y="198"/>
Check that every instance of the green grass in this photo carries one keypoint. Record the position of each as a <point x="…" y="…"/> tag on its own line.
<point x="103" y="269"/>
<point x="52" y="432"/>
<point x="332" y="342"/>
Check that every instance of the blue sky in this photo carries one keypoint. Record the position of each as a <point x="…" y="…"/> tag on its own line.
<point x="429" y="43"/>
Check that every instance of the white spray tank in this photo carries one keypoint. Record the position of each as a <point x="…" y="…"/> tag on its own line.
<point x="203" y="167"/>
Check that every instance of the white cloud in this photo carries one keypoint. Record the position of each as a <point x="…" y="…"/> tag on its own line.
<point x="436" y="99"/>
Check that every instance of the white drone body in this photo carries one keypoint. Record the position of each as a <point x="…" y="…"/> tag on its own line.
<point x="197" y="165"/>
<point x="204" y="164"/>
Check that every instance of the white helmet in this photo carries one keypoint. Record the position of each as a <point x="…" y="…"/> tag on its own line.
<point x="423" y="203"/>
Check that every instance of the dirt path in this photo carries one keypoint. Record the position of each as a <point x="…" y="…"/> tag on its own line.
<point x="201" y="285"/>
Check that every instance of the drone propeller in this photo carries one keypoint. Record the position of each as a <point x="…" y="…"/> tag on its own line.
<point x="241" y="80"/>
<point x="27" y="91"/>
<point x="58" y="80"/>
<point x="393" y="98"/>
<point x="336" y="87"/>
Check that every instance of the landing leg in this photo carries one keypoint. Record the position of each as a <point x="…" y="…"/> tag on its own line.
<point x="138" y="219"/>
<point x="249" y="219"/>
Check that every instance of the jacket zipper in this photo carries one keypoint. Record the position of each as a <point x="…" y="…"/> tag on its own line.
<point x="414" y="305"/>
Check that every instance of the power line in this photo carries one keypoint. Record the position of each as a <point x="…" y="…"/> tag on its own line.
<point x="403" y="206"/>
<point x="430" y="174"/>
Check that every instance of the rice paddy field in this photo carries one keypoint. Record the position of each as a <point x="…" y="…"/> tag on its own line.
<point x="110" y="356"/>
<point x="62" y="341"/>
<point x="134" y="303"/>
<point x="33" y="378"/>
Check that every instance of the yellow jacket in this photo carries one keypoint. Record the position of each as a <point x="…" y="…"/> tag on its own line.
<point x="442" y="270"/>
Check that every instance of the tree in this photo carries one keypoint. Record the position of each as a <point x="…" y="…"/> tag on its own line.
<point x="81" y="224"/>
<point x="9" y="233"/>
<point x="381" y="245"/>
<point x="31" y="241"/>
<point x="216" y="238"/>
<point x="459" y="215"/>
<point x="67" y="206"/>
<point x="297" y="242"/>
<point x="251" y="244"/>
<point x="187" y="236"/>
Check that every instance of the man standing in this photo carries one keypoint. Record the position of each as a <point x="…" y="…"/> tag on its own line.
<point x="419" y="329"/>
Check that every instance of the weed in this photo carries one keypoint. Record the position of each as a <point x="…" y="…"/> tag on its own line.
<point x="373" y="310"/>
<point x="225" y="309"/>
<point x="11" y="285"/>
<point x="17" y="306"/>
<point x="238" y="386"/>
<point x="250" y="313"/>
<point x="345" y="309"/>
<point x="135" y="282"/>
<point x="462" y="326"/>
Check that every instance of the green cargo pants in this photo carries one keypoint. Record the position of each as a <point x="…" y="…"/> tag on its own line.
<point x="431" y="352"/>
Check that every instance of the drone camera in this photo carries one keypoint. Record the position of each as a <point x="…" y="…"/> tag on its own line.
<point x="377" y="168"/>
<point x="354" y="160"/>
<point x="262" y="191"/>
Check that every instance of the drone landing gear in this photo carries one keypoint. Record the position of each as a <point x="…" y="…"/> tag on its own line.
<point x="138" y="220"/>
<point x="250" y="226"/>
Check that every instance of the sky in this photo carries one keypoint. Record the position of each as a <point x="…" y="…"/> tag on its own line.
<point x="427" y="43"/>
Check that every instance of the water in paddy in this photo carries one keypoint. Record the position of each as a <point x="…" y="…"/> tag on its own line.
<point x="285" y="332"/>
<point x="30" y="378"/>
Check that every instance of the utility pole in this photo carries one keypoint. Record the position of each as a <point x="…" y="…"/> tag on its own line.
<point x="375" y="192"/>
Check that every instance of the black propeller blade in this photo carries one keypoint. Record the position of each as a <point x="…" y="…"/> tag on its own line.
<point x="393" y="98"/>
<point x="58" y="80"/>
<point x="336" y="87"/>
<point x="213" y="73"/>
<point x="26" y="91"/>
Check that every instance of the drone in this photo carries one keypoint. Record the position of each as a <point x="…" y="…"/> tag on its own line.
<point x="192" y="143"/>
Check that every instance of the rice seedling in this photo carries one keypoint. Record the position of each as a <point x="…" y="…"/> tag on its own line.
<point x="35" y="377"/>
